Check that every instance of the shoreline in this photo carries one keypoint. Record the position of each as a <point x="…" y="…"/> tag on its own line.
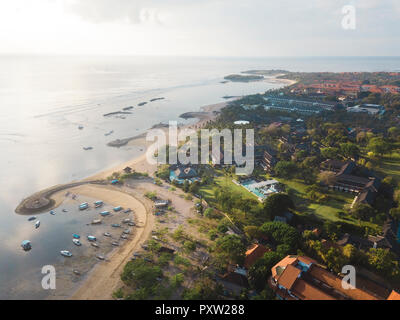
<point x="104" y="277"/>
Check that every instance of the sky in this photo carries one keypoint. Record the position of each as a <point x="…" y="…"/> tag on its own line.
<point x="199" y="27"/>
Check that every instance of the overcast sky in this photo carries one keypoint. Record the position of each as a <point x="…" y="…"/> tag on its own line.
<point x="199" y="27"/>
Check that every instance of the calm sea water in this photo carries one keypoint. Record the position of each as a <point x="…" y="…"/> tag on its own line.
<point x="43" y="100"/>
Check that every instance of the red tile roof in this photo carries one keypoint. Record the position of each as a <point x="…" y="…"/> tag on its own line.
<point x="276" y="269"/>
<point x="306" y="291"/>
<point x="289" y="277"/>
<point x="394" y="296"/>
<point x="253" y="254"/>
<point x="336" y="283"/>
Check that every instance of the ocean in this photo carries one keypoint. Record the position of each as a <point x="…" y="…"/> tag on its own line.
<point x="43" y="101"/>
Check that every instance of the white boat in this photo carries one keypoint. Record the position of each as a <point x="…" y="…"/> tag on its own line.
<point x="76" y="242"/>
<point x="96" y="221"/>
<point x="100" y="257"/>
<point x="52" y="212"/>
<point x="94" y="244"/>
<point x="107" y="234"/>
<point x="115" y="244"/>
<point x="66" y="253"/>
<point x="37" y="224"/>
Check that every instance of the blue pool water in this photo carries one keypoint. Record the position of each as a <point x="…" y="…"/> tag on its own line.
<point x="398" y="233"/>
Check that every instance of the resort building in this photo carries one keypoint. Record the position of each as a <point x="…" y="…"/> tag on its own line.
<point x="185" y="173"/>
<point x="302" y="278"/>
<point x="388" y="239"/>
<point x="372" y="109"/>
<point x="347" y="180"/>
<point x="296" y="105"/>
<point x="265" y="157"/>
<point x="181" y="173"/>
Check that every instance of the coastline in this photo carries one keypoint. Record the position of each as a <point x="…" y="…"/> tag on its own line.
<point x="105" y="276"/>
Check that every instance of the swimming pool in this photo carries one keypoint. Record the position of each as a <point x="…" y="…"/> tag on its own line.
<point x="262" y="192"/>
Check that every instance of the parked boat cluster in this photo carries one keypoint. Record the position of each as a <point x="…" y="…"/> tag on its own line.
<point x="76" y="238"/>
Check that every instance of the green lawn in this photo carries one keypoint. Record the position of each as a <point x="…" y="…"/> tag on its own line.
<point x="227" y="184"/>
<point x="390" y="166"/>
<point x="323" y="211"/>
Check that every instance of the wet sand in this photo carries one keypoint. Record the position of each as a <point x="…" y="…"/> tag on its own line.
<point x="104" y="278"/>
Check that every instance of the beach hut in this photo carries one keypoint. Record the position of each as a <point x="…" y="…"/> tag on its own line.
<point x="128" y="170"/>
<point x="161" y="203"/>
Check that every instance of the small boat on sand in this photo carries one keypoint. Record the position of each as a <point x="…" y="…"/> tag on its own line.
<point x="100" y="257"/>
<point x="91" y="238"/>
<point x="80" y="127"/>
<point x="64" y="210"/>
<point x="109" y="133"/>
<point x="131" y="224"/>
<point x="124" y="236"/>
<point x="117" y="209"/>
<point x="94" y="244"/>
<point x="32" y="218"/>
<point x="87" y="148"/>
<point x="37" y="224"/>
<point x="98" y="204"/>
<point x="127" y="231"/>
<point x="116" y="225"/>
<point x="26" y="245"/>
<point x="105" y="213"/>
<point x="83" y="206"/>
<point x="76" y="272"/>
<point x="96" y="221"/>
<point x="115" y="244"/>
<point x="76" y="242"/>
<point x="52" y="212"/>
<point x="66" y="253"/>
<point x="128" y="210"/>
<point x="76" y="236"/>
<point x="126" y="221"/>
<point x="107" y="234"/>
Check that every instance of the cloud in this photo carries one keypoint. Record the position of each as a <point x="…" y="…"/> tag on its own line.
<point x="206" y="27"/>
